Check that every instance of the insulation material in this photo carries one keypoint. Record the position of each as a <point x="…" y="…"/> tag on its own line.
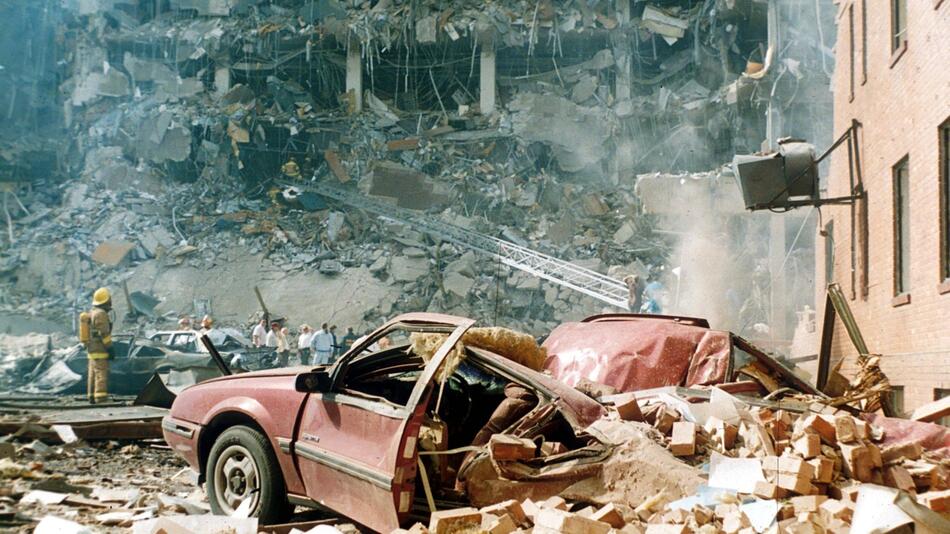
<point x="515" y="346"/>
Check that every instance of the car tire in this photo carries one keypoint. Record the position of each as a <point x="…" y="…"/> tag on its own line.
<point x="241" y="466"/>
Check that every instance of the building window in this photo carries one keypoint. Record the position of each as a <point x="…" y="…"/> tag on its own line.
<point x="829" y="252"/>
<point x="864" y="42"/>
<point x="902" y="227"/>
<point x="896" y="399"/>
<point x="944" y="156"/>
<point x="898" y="24"/>
<point x="940" y="394"/>
<point x="851" y="52"/>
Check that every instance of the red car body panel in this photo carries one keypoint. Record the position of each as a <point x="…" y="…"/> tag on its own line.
<point x="633" y="353"/>
<point x="265" y="397"/>
<point x="352" y="453"/>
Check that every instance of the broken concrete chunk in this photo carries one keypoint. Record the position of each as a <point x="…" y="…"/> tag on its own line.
<point x="408" y="187"/>
<point x="427" y="29"/>
<point x="664" y="23"/>
<point x="156" y="239"/>
<point x="406" y="269"/>
<point x="115" y="495"/>
<point x="457" y="284"/>
<point x="111" y="83"/>
<point x="112" y="253"/>
<point x="121" y="518"/>
<point x="43" y="497"/>
<point x="449" y="521"/>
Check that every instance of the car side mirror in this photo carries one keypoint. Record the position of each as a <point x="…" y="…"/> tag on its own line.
<point x="315" y="382"/>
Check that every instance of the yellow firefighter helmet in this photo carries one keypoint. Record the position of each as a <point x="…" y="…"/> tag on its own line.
<point x="101" y="296"/>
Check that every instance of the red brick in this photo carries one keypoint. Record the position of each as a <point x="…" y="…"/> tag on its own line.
<point x="683" y="442"/>
<point x="629" y="410"/>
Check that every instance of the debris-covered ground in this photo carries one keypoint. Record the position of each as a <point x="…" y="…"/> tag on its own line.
<point x="108" y="484"/>
<point x="744" y="467"/>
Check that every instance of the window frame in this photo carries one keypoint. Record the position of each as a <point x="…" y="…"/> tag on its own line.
<point x="940" y="393"/>
<point x="901" y="219"/>
<point x="864" y="42"/>
<point x="943" y="156"/>
<point x="829" y="246"/>
<point x="898" y="39"/>
<point x="895" y="398"/>
<point x="851" y="53"/>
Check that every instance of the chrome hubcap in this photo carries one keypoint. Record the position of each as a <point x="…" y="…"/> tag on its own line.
<point x="237" y="479"/>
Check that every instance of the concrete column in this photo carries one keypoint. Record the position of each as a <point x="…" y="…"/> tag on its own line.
<point x="486" y="86"/>
<point x="354" y="77"/>
<point x="622" y="91"/>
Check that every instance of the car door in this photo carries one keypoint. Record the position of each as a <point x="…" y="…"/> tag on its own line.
<point x="357" y="456"/>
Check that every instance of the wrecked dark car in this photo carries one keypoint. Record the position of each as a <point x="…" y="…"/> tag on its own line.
<point x="412" y="409"/>
<point x="134" y="363"/>
<point x="633" y="352"/>
<point x="138" y="359"/>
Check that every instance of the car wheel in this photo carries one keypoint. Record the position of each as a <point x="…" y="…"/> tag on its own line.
<point x="242" y="473"/>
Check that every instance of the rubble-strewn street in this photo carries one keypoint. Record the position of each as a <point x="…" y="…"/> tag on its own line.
<point x="578" y="266"/>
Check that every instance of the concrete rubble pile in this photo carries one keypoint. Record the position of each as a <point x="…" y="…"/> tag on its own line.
<point x="188" y="126"/>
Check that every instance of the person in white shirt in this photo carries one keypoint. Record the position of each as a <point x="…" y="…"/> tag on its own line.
<point x="270" y="340"/>
<point x="303" y="344"/>
<point x="259" y="333"/>
<point x="322" y="345"/>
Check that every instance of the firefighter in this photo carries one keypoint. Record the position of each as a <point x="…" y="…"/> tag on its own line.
<point x="95" y="332"/>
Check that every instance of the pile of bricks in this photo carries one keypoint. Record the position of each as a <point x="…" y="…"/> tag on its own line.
<point x="546" y="517"/>
<point x="813" y="465"/>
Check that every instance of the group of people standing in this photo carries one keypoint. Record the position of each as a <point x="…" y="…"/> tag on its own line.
<point x="323" y="345"/>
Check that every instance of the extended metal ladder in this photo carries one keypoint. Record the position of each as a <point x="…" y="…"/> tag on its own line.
<point x="587" y="281"/>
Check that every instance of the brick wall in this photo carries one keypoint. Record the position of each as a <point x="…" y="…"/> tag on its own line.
<point x="901" y="104"/>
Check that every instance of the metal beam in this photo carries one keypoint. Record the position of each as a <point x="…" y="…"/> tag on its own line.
<point x="587" y="281"/>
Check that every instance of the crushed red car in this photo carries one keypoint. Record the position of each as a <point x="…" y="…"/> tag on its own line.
<point x="408" y="417"/>
<point x="350" y="437"/>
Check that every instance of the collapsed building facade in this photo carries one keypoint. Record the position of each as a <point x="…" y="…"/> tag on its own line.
<point x="585" y="130"/>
